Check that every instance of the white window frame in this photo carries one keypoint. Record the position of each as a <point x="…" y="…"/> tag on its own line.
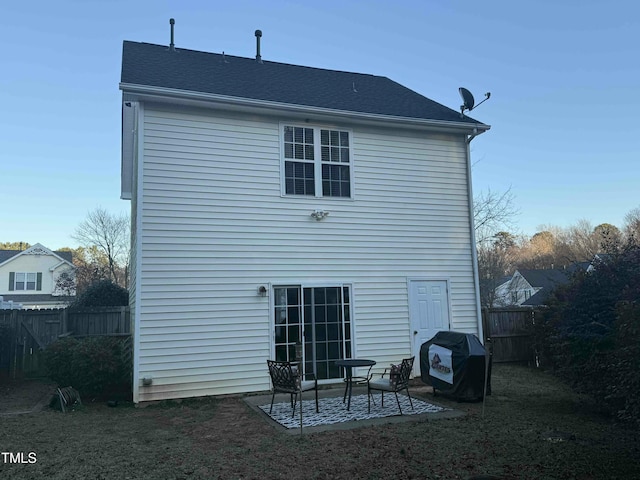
<point x="317" y="160"/>
<point x="25" y="282"/>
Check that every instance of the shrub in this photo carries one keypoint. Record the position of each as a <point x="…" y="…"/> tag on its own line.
<point x="102" y="294"/>
<point x="590" y="334"/>
<point x="98" y="367"/>
<point x="624" y="390"/>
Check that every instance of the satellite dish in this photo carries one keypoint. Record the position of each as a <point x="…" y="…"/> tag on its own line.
<point x="468" y="102"/>
<point x="467" y="99"/>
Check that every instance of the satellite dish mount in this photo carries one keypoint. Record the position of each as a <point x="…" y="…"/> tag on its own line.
<point x="468" y="102"/>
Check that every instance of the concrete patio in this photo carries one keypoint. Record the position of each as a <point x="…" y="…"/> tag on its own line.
<point x="334" y="415"/>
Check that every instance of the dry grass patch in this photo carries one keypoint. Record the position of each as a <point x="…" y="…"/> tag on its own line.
<point x="533" y="428"/>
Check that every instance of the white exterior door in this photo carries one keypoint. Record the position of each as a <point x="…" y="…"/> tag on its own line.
<point x="428" y="313"/>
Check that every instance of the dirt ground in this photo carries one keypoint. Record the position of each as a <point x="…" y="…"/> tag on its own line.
<point x="534" y="428"/>
<point x="24" y="395"/>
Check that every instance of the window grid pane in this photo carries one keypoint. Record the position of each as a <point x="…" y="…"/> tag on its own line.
<point x="288" y="322"/>
<point x="334" y="149"/>
<point x="299" y="178"/>
<point x="334" y="146"/>
<point x="324" y="330"/>
<point x="336" y="181"/>
<point x="298" y="143"/>
<point x="20" y="281"/>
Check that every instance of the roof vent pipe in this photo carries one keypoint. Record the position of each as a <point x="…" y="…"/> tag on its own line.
<point x="258" y="35"/>
<point x="172" y="46"/>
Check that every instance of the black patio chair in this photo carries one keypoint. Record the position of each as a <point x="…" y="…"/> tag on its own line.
<point x="394" y="383"/>
<point x="286" y="378"/>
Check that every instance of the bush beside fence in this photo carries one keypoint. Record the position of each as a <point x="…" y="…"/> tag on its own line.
<point x="98" y="367"/>
<point x="31" y="331"/>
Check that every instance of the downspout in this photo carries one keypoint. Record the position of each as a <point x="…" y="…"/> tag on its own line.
<point x="136" y="246"/>
<point x="474" y="253"/>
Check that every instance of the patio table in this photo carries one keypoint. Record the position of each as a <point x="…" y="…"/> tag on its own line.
<point x="349" y="364"/>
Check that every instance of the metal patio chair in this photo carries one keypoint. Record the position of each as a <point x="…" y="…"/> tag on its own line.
<point x="398" y="383"/>
<point x="286" y="378"/>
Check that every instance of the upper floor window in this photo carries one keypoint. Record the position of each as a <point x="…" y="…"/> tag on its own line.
<point x="25" y="281"/>
<point x="317" y="161"/>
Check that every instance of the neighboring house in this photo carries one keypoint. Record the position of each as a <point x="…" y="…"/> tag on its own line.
<point x="530" y="287"/>
<point x="30" y="277"/>
<point x="274" y="205"/>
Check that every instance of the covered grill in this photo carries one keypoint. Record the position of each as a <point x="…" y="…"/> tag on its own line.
<point x="455" y="364"/>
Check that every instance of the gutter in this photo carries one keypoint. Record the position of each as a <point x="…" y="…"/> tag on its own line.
<point x="150" y="93"/>
<point x="474" y="253"/>
<point x="474" y="135"/>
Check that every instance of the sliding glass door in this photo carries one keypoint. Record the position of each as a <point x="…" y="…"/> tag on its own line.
<point x="313" y="326"/>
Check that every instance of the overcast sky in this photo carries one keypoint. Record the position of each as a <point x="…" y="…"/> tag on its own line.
<point x="564" y="78"/>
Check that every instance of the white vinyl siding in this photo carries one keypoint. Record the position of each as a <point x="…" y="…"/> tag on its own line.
<point x="214" y="227"/>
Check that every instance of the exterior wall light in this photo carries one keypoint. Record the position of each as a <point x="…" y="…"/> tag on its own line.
<point x="262" y="291"/>
<point x="319" y="214"/>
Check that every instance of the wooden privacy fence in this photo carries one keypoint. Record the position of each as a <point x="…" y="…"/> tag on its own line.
<point x="511" y="333"/>
<point x="25" y="333"/>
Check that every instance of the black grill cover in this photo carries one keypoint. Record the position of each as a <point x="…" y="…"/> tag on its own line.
<point x="467" y="362"/>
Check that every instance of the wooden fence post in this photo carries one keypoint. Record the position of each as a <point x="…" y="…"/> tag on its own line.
<point x="63" y="321"/>
<point x="13" y="361"/>
<point x="122" y="320"/>
<point x="486" y="327"/>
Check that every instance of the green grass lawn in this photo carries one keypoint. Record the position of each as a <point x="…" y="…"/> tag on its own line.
<point x="533" y="428"/>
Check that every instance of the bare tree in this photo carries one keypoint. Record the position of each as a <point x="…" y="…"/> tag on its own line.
<point x="585" y="244"/>
<point x="495" y="260"/>
<point x="493" y="212"/>
<point x="632" y="226"/>
<point x="493" y="215"/>
<point x="608" y="237"/>
<point x="539" y="252"/>
<point x="110" y="234"/>
<point x="92" y="266"/>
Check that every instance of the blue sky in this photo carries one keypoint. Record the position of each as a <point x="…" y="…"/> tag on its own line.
<point x="564" y="78"/>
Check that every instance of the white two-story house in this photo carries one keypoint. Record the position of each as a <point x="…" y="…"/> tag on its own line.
<point x="30" y="277"/>
<point x="277" y="206"/>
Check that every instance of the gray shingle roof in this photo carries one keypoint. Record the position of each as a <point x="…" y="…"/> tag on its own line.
<point x="189" y="70"/>
<point x="7" y="254"/>
<point x="68" y="256"/>
<point x="537" y="298"/>
<point x="548" y="278"/>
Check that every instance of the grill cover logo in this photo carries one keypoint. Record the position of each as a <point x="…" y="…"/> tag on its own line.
<point x="440" y="365"/>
